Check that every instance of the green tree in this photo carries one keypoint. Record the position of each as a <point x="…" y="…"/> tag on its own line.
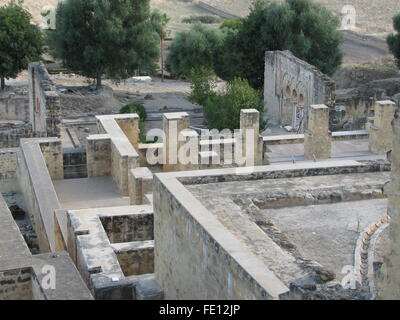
<point x="20" y="41"/>
<point x="195" y="48"/>
<point x="393" y="39"/>
<point x="306" y="28"/>
<point x="160" y="21"/>
<point x="108" y="38"/>
<point x="222" y="109"/>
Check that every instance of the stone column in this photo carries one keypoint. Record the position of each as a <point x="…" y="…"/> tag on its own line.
<point x="53" y="155"/>
<point x="380" y="132"/>
<point x="252" y="141"/>
<point x="129" y="124"/>
<point x="98" y="154"/>
<point x="140" y="184"/>
<point x="390" y="286"/>
<point x="317" y="138"/>
<point x="173" y="124"/>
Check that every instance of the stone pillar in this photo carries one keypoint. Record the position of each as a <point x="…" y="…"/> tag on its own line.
<point x="390" y="286"/>
<point x="252" y="141"/>
<point x="317" y="138"/>
<point x="53" y="156"/>
<point x="140" y="184"/>
<point x="129" y="124"/>
<point x="380" y="132"/>
<point x="173" y="124"/>
<point x="98" y="154"/>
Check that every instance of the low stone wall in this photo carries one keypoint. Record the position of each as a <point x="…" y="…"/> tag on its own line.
<point x="16" y="284"/>
<point x="112" y="151"/>
<point x="40" y="161"/>
<point x="112" y="249"/>
<point x="14" y="107"/>
<point x="8" y="163"/>
<point x="22" y="275"/>
<point x="196" y="257"/>
<point x="75" y="164"/>
<point x="11" y="136"/>
<point x="299" y="138"/>
<point x="135" y="258"/>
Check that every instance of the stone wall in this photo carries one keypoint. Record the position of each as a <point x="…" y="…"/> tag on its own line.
<point x="40" y="161"/>
<point x="195" y="257"/>
<point x="391" y="274"/>
<point x="8" y="163"/>
<point x="14" y="106"/>
<point x="11" y="134"/>
<point x="44" y="101"/>
<point x="112" y="249"/>
<point x="22" y="274"/>
<point x="112" y="151"/>
<point x="16" y="284"/>
<point x="291" y="85"/>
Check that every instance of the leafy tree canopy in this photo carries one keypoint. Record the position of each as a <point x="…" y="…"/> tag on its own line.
<point x="20" y="41"/>
<point x="196" y="48"/>
<point x="306" y="28"/>
<point x="393" y="39"/>
<point x="105" y="37"/>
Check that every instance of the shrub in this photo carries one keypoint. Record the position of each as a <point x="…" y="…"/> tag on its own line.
<point x="135" y="108"/>
<point x="222" y="110"/>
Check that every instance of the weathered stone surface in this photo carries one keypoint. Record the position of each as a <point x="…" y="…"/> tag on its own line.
<point x="317" y="138"/>
<point x="292" y="85"/>
<point x="380" y="131"/>
<point x="390" y="286"/>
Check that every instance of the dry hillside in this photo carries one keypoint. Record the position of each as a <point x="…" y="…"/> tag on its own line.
<point x="373" y="16"/>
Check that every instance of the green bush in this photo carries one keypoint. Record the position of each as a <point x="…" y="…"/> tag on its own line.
<point x="135" y="108"/>
<point x="222" y="110"/>
<point x="141" y="111"/>
<point x="202" y="19"/>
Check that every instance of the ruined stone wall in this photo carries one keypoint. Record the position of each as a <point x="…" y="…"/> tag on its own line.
<point x="391" y="281"/>
<point x="8" y="163"/>
<point x="35" y="180"/>
<point x="112" y="151"/>
<point x="11" y="134"/>
<point x="189" y="262"/>
<point x="44" y="101"/>
<point x="14" y="107"/>
<point x="291" y="85"/>
<point x="16" y="284"/>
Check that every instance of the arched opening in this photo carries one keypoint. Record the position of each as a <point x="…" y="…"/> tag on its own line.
<point x="294" y="94"/>
<point x="288" y="91"/>
<point x="301" y="99"/>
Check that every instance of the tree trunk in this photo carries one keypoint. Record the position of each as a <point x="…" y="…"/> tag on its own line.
<point x="2" y="83"/>
<point x="98" y="82"/>
<point x="162" y="56"/>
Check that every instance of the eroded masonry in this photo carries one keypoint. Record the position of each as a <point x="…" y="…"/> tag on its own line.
<point x="245" y="216"/>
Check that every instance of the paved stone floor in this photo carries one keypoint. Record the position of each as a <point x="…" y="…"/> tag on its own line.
<point x="89" y="193"/>
<point x="328" y="233"/>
